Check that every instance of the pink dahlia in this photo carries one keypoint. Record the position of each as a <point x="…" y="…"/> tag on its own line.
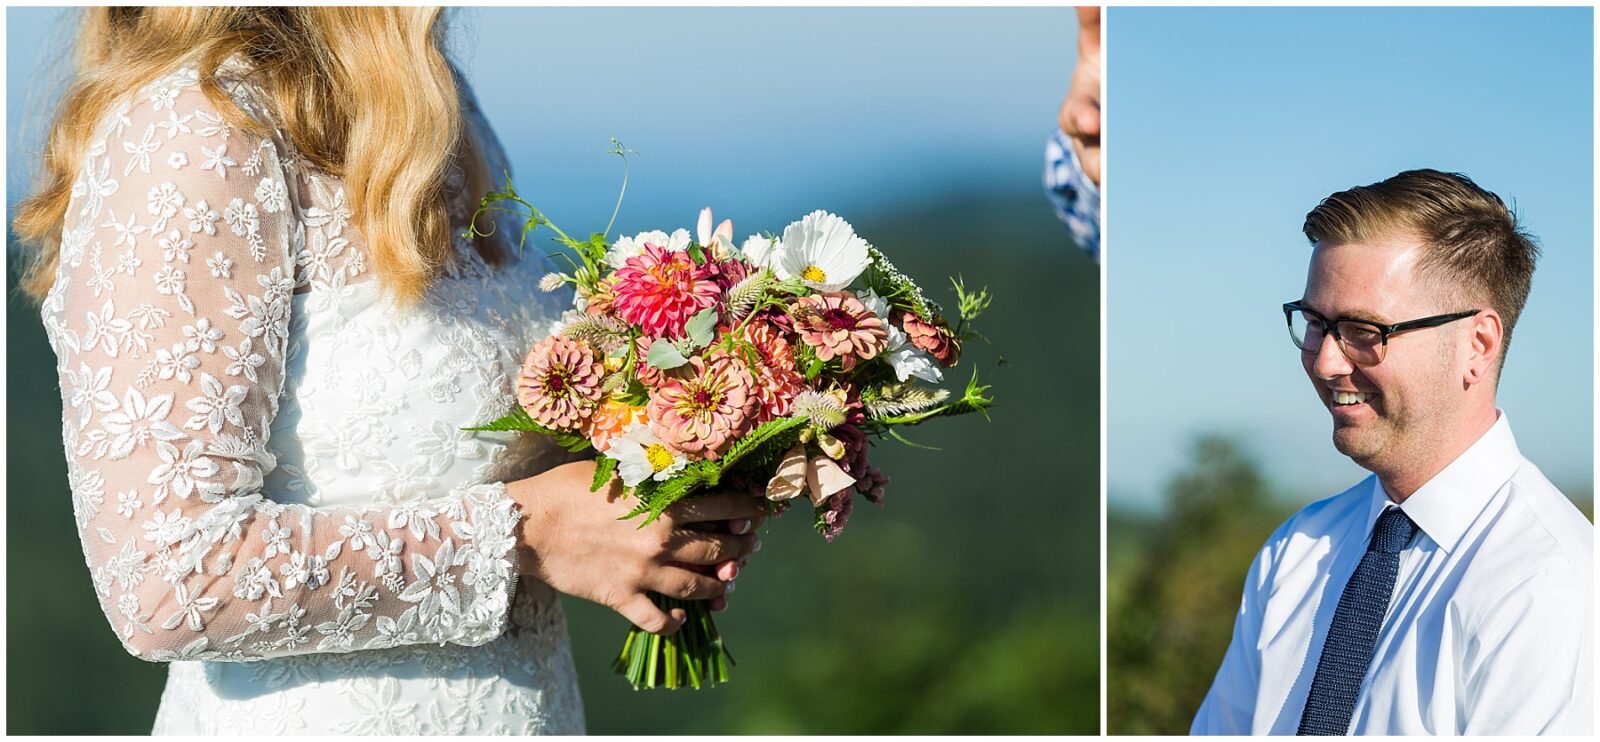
<point x="936" y="337"/>
<point x="777" y="377"/>
<point x="559" y="384"/>
<point x="838" y="325"/>
<point x="660" y="289"/>
<point x="705" y="411"/>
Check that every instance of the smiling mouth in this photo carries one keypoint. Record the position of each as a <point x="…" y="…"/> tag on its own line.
<point x="1351" y="398"/>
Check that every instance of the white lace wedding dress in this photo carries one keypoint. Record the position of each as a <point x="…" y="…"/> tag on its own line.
<point x="266" y="459"/>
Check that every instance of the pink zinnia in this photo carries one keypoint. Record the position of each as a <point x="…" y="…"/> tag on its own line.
<point x="704" y="412"/>
<point x="559" y="384"/>
<point x="660" y="289"/>
<point x="838" y="325"/>
<point x="777" y="378"/>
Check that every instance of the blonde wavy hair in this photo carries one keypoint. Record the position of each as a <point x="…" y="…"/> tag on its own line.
<point x="348" y="84"/>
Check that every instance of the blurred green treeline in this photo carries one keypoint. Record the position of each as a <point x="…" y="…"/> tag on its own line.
<point x="1173" y="583"/>
<point x="968" y="604"/>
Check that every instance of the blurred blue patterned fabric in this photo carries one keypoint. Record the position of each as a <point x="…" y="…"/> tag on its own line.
<point x="1076" y="198"/>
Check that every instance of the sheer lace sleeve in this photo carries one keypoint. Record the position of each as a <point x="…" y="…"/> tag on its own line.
<point x="169" y="318"/>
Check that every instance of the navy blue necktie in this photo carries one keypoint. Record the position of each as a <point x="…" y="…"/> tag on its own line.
<point x="1353" y="636"/>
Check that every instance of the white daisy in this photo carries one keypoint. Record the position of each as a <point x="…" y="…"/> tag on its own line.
<point x="641" y="455"/>
<point x="823" y="251"/>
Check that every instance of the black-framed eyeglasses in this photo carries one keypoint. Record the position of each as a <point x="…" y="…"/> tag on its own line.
<point x="1363" y="342"/>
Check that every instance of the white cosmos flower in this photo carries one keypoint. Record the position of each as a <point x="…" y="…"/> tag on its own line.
<point x="627" y="247"/>
<point x="909" y="360"/>
<point x="823" y="251"/>
<point x="759" y="249"/>
<point x="875" y="304"/>
<point x="641" y="455"/>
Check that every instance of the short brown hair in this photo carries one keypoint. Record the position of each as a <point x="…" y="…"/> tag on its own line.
<point x="1472" y="239"/>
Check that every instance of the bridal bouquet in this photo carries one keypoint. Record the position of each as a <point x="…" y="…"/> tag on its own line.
<point x="690" y="363"/>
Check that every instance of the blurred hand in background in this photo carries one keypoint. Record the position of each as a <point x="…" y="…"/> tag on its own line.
<point x="1080" y="112"/>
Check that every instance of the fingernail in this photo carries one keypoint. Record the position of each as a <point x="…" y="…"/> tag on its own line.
<point x="727" y="587"/>
<point x="757" y="547"/>
<point x="741" y="526"/>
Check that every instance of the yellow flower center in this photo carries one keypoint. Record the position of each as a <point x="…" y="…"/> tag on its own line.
<point x="814" y="274"/>
<point x="658" y="456"/>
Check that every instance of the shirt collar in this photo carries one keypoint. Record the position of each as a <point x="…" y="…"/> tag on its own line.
<point x="1447" y="504"/>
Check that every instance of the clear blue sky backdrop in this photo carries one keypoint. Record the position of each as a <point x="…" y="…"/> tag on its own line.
<point x="1225" y="126"/>
<point x="764" y="114"/>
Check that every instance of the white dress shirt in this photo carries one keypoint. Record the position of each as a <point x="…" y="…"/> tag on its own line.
<point x="1489" y="630"/>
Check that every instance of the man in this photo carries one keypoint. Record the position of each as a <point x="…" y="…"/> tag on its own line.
<point x="1451" y="591"/>
<point x="1072" y="154"/>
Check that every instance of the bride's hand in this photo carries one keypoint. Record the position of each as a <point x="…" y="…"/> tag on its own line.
<point x="573" y="540"/>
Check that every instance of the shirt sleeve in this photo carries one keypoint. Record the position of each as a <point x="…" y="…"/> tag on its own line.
<point x="1528" y="665"/>
<point x="169" y="317"/>
<point x="1229" y="707"/>
<point x="1076" y="198"/>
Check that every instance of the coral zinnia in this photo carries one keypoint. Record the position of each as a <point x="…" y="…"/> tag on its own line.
<point x="935" y="337"/>
<point x="704" y="412"/>
<point x="609" y="421"/>
<point x="838" y="325"/>
<point x="559" y="384"/>
<point x="659" y="290"/>
<point x="777" y="378"/>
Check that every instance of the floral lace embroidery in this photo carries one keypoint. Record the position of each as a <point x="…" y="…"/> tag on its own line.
<point x="265" y="457"/>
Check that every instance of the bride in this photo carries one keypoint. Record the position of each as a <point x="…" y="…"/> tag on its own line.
<point x="270" y="332"/>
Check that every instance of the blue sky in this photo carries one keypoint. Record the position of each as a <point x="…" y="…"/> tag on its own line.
<point x="765" y="114"/>
<point x="1225" y="126"/>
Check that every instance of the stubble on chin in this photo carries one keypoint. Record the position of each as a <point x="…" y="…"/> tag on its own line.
<point x="1359" y="446"/>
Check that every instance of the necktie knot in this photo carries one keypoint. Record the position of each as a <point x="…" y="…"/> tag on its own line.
<point x="1393" y="532"/>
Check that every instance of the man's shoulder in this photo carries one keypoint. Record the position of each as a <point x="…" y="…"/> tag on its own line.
<point x="1539" y="524"/>
<point x="1322" y="517"/>
<point x="1534" y="542"/>
<point x="1318" y="522"/>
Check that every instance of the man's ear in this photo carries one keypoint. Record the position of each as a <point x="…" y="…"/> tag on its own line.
<point x="1486" y="341"/>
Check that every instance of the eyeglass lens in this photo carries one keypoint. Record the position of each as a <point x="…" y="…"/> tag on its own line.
<point x="1361" y="343"/>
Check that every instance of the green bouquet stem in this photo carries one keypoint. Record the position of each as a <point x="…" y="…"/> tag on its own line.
<point x="694" y="657"/>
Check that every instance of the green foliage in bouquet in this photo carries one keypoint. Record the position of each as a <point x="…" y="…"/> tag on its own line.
<point x="901" y="292"/>
<point x="518" y="420"/>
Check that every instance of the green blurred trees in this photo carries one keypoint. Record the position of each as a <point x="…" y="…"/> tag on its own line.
<point x="1170" y="609"/>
